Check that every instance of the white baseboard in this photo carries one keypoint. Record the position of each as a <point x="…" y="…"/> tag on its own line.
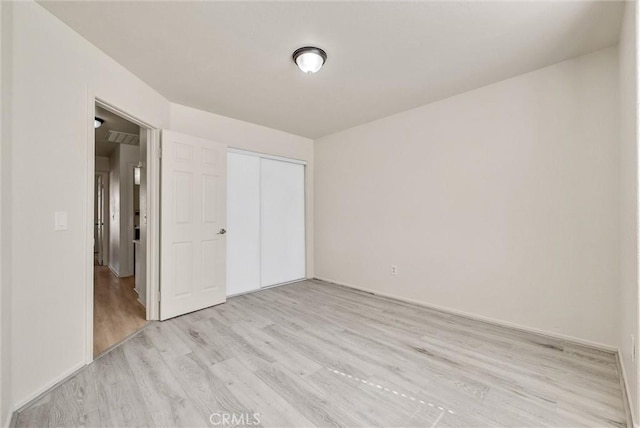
<point x="11" y="420"/>
<point x="266" y="288"/>
<point x="502" y="323"/>
<point x="48" y="387"/>
<point x="113" y="271"/>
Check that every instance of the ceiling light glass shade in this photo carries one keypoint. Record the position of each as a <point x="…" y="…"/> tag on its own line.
<point x="97" y="122"/>
<point x="309" y="59"/>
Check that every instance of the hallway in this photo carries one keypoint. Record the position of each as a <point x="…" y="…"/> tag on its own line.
<point x="117" y="312"/>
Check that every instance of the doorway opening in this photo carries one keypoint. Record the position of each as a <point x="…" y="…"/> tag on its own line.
<point x="120" y="238"/>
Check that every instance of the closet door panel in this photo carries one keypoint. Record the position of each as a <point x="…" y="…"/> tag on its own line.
<point x="282" y="222"/>
<point x="243" y="221"/>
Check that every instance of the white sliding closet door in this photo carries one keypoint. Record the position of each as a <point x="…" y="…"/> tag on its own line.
<point x="266" y="222"/>
<point x="243" y="221"/>
<point x="282" y="223"/>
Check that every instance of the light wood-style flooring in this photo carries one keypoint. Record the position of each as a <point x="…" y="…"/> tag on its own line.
<point x="116" y="310"/>
<point x="315" y="354"/>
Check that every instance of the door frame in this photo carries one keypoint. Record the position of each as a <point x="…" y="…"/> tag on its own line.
<point x="152" y="163"/>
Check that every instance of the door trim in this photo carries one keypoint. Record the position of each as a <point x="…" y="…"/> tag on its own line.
<point x="265" y="156"/>
<point x="153" y="213"/>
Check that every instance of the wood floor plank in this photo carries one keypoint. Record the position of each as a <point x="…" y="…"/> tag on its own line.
<point x="167" y="339"/>
<point x="89" y="420"/>
<point x="306" y="397"/>
<point x="36" y="416"/>
<point x="208" y="395"/>
<point x="316" y="354"/>
<point x="119" y="398"/>
<point x="277" y="351"/>
<point x="74" y="400"/>
<point x="117" y="313"/>
<point x="195" y="334"/>
<point x="165" y="399"/>
<point x="272" y="409"/>
<point x="371" y="404"/>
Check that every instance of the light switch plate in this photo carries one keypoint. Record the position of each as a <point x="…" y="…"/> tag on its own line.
<point x="60" y="220"/>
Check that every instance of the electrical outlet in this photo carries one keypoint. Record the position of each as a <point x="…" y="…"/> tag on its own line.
<point x="394" y="270"/>
<point x="633" y="348"/>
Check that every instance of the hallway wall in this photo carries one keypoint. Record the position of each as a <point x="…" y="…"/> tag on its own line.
<point x="121" y="209"/>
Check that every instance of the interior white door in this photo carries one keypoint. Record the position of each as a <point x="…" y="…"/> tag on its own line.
<point x="243" y="219"/>
<point x="193" y="218"/>
<point x="282" y="222"/>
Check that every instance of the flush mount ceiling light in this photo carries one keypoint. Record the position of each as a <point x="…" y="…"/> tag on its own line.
<point x="309" y="59"/>
<point x="97" y="122"/>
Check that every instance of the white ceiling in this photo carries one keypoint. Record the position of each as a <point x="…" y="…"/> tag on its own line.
<point x="112" y="122"/>
<point x="234" y="58"/>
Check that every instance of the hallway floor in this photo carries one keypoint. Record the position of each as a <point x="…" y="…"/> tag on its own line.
<point x="117" y="312"/>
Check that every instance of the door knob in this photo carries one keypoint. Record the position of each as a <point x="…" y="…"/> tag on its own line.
<point x="222" y="232"/>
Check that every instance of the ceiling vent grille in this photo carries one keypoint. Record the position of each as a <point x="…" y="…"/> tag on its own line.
<point x="123" y="138"/>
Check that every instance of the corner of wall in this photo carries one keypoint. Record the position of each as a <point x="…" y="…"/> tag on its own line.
<point x="6" y="399"/>
<point x="628" y="202"/>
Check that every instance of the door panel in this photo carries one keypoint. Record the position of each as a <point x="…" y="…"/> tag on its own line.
<point x="243" y="218"/>
<point x="282" y="222"/>
<point x="193" y="213"/>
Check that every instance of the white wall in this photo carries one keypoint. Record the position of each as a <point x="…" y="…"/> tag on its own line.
<point x="102" y="163"/>
<point x="129" y="156"/>
<point x="256" y="138"/>
<point x="5" y="215"/>
<point x="54" y="70"/>
<point x="114" y="211"/>
<point x="501" y="202"/>
<point x="121" y="163"/>
<point x="629" y="200"/>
